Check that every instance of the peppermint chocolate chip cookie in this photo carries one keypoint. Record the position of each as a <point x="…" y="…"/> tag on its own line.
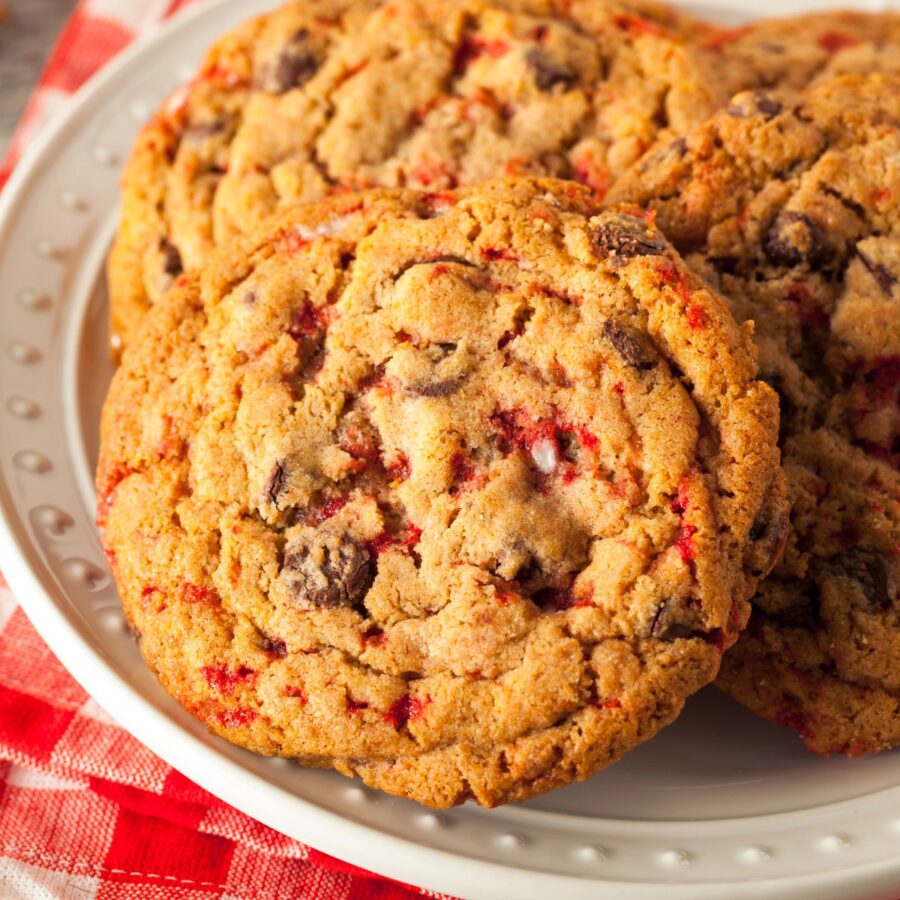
<point x="797" y="51"/>
<point x="790" y="205"/>
<point x="327" y="95"/>
<point x="464" y="492"/>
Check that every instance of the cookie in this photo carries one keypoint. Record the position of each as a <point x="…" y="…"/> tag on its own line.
<point x="790" y="205"/>
<point x="462" y="491"/>
<point x="797" y="51"/>
<point x="283" y="111"/>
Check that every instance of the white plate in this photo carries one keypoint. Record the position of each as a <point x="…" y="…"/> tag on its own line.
<point x="720" y="805"/>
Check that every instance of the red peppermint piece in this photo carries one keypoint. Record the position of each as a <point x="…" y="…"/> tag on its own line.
<point x="309" y="320"/>
<point x="494" y="253"/>
<point x="637" y="26"/>
<point x="236" y="718"/>
<point x="198" y="593"/>
<point x="833" y="41"/>
<point x="226" y="680"/>
<point x="685" y="542"/>
<point x="354" y="706"/>
<point x="113" y="478"/>
<point x="399" y="469"/>
<point x="404" y="710"/>
<point x="330" y="508"/>
<point x="472" y="47"/>
<point x="296" y="692"/>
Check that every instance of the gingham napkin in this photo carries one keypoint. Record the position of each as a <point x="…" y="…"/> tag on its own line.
<point x="86" y="811"/>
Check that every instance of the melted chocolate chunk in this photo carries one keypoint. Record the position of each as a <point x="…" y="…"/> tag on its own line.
<point x="794" y="238"/>
<point x="669" y="623"/>
<point x="869" y="571"/>
<point x="441" y="388"/>
<point x="767" y="535"/>
<point x="679" y="146"/>
<point x="273" y="646"/>
<point x="884" y="278"/>
<point x="619" y="237"/>
<point x="171" y="258"/>
<point x="548" y="73"/>
<point x="751" y="104"/>
<point x="327" y="571"/>
<point x="277" y="481"/>
<point x="199" y="131"/>
<point x="294" y="66"/>
<point x="440" y="382"/>
<point x="627" y="345"/>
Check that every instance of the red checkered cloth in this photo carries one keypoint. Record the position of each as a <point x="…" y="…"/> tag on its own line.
<point x="86" y="810"/>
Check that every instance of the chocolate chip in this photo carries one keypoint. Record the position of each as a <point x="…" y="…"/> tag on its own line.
<point x="794" y="238"/>
<point x="884" y="278"/>
<point x="273" y="646"/>
<point x="769" y="107"/>
<point x="171" y="258"/>
<point x="767" y="535"/>
<point x="293" y="69"/>
<point x="327" y="571"/>
<point x="869" y="571"/>
<point x="679" y="146"/>
<point x="651" y="159"/>
<point x="620" y="236"/>
<point x="441" y="388"/>
<point x="626" y="344"/>
<point x="277" y="481"/>
<point x="669" y="623"/>
<point x="198" y="131"/>
<point x="751" y="104"/>
<point x="440" y="382"/>
<point x="548" y="73"/>
<point x="294" y="66"/>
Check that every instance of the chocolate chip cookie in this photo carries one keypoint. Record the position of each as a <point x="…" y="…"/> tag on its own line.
<point x="790" y="205"/>
<point x="797" y="51"/>
<point x="462" y="491"/>
<point x="329" y="95"/>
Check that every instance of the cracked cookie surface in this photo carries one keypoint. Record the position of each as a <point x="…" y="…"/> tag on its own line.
<point x="790" y="205"/>
<point x="463" y="492"/>
<point x="465" y="90"/>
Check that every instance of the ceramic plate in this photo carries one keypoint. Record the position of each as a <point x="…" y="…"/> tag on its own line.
<point x="721" y="804"/>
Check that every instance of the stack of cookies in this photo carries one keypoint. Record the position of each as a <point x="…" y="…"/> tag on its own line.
<point x="445" y="449"/>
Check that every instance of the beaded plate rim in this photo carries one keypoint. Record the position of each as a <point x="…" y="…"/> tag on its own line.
<point x="56" y="216"/>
